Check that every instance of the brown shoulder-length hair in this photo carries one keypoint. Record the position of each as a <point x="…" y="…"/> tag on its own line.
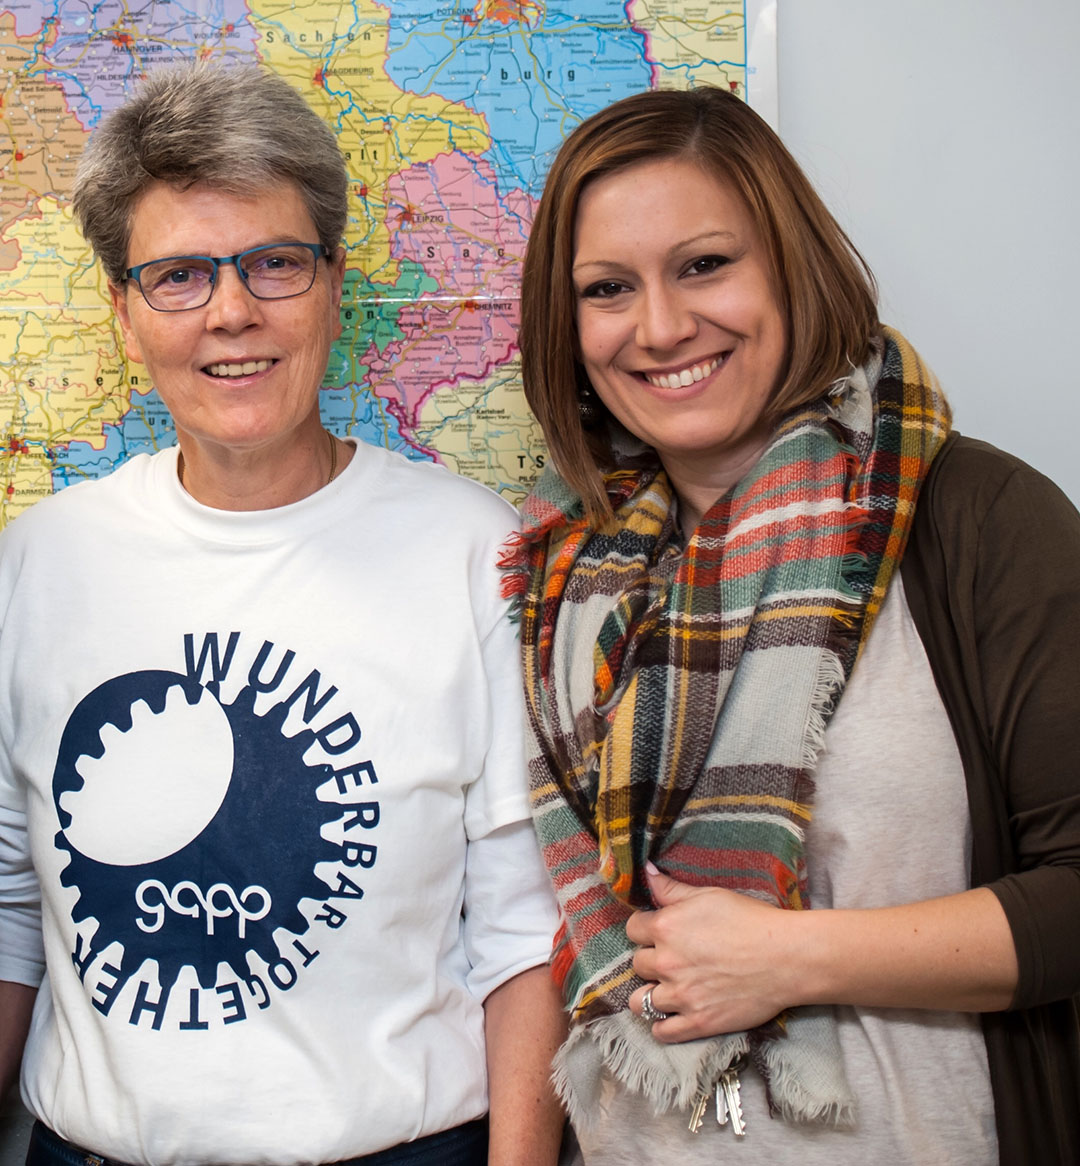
<point x="823" y="287"/>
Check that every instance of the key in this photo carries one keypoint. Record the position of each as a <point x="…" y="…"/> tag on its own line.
<point x="721" y="1104"/>
<point x="729" y="1083"/>
<point x="697" y="1114"/>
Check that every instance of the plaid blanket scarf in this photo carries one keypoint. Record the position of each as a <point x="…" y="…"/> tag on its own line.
<point x="677" y="702"/>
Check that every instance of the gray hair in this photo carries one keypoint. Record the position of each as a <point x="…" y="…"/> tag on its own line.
<point x="236" y="128"/>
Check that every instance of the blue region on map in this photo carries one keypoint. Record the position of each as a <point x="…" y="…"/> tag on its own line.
<point x="532" y="83"/>
<point x="99" y="49"/>
<point x="353" y="411"/>
<point x="349" y="411"/>
<point x="146" y="427"/>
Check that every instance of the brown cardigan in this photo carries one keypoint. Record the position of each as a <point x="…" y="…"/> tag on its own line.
<point x="992" y="577"/>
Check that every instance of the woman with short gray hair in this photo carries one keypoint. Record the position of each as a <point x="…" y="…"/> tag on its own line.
<point x="237" y="130"/>
<point x="264" y="818"/>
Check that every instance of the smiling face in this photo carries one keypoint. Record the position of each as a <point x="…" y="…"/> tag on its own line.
<point x="238" y="374"/>
<point x="678" y="327"/>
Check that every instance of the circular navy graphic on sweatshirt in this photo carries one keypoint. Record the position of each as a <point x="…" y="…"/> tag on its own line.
<point x="193" y="826"/>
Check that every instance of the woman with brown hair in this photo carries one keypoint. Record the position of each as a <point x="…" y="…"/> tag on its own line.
<point x="781" y="650"/>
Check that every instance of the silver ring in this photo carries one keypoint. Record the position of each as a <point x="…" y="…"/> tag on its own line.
<point x="649" y="1011"/>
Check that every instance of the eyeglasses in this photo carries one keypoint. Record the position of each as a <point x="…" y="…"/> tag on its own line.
<point x="275" y="271"/>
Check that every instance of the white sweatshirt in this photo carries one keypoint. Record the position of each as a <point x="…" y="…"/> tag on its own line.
<point x="268" y="769"/>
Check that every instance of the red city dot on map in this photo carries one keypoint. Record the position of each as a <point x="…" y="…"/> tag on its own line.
<point x="123" y="39"/>
<point x="734" y="85"/>
<point x="510" y="11"/>
<point x="19" y="155"/>
<point x="230" y="28"/>
<point x="471" y="306"/>
<point x="11" y="489"/>
<point x="319" y="78"/>
<point x="361" y="191"/>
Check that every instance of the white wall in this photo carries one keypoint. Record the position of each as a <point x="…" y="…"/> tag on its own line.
<point x="945" y="137"/>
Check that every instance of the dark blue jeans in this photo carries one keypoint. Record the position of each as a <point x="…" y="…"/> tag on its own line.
<point x="462" y="1146"/>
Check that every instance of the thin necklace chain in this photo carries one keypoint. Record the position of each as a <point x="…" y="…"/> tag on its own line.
<point x="333" y="459"/>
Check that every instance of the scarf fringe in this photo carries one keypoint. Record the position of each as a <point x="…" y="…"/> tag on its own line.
<point x="673" y="1077"/>
<point x="513" y="563"/>
<point x="669" y="1077"/>
<point x="828" y="685"/>
<point x="792" y="1101"/>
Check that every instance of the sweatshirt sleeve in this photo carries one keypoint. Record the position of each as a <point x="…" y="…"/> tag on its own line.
<point x="22" y="957"/>
<point x="510" y="909"/>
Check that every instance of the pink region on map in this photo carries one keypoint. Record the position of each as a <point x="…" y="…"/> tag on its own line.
<point x="449" y="217"/>
<point x="444" y="343"/>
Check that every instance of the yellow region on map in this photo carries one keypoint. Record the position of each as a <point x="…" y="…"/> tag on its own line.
<point x="700" y="42"/>
<point x="60" y="367"/>
<point x="56" y="265"/>
<point x="25" y="478"/>
<point x="62" y="380"/>
<point x="336" y="55"/>
<point x="485" y="430"/>
<point x="40" y="141"/>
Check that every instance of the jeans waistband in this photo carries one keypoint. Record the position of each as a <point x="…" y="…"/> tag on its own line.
<point x="464" y="1145"/>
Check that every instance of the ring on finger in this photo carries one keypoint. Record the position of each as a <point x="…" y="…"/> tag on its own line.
<point x="649" y="1011"/>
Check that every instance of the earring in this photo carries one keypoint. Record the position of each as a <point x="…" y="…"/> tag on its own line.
<point x="590" y="410"/>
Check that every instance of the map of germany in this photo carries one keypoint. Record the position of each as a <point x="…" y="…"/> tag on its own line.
<point x="448" y="117"/>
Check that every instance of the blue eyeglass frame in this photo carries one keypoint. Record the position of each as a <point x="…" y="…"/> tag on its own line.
<point x="319" y="250"/>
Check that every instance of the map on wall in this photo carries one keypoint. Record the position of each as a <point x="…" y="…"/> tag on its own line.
<point x="448" y="115"/>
